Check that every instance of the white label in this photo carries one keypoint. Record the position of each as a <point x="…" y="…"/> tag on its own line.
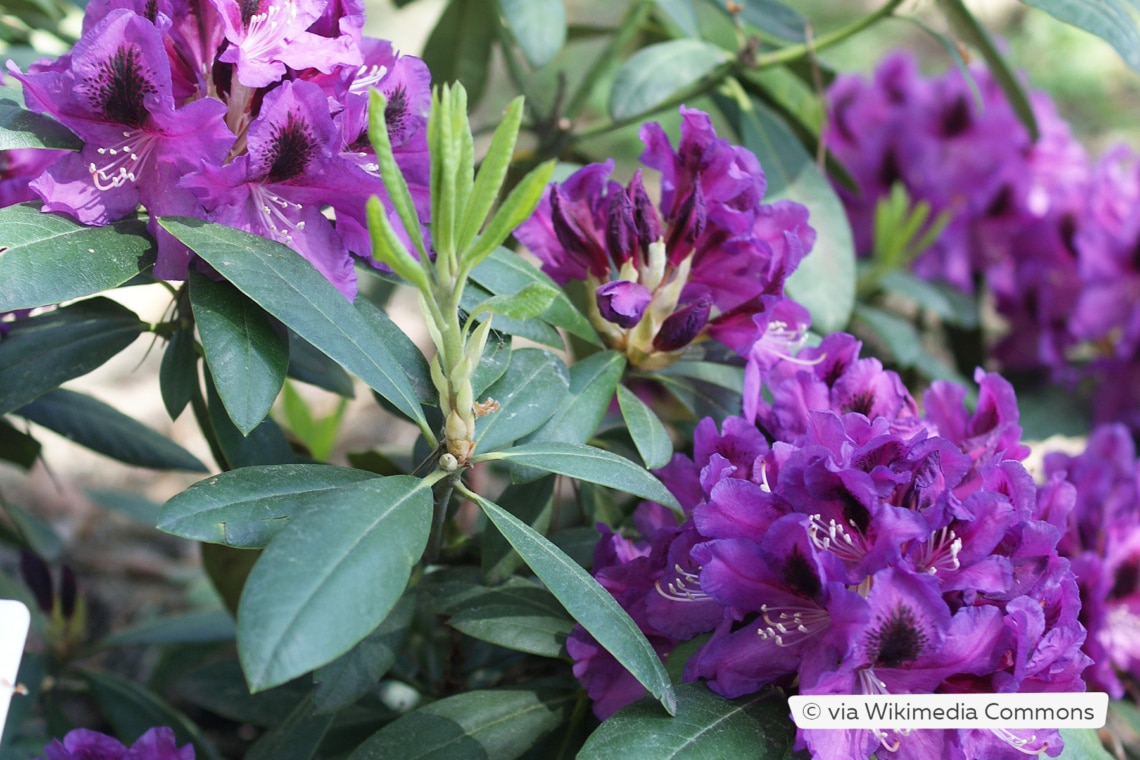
<point x="14" y="621"/>
<point x="907" y="711"/>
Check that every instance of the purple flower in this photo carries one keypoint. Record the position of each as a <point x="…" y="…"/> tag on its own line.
<point x="82" y="744"/>
<point x="711" y="256"/>
<point x="17" y="170"/>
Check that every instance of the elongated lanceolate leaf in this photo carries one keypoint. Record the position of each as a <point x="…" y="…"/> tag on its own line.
<point x="587" y="602"/>
<point x="20" y="128"/>
<point x="46" y="259"/>
<point x="330" y="577"/>
<point x="247" y="354"/>
<point x="1108" y="19"/>
<point x="648" y="432"/>
<point x="592" y="384"/>
<point x="528" y="393"/>
<point x="91" y="423"/>
<point x="246" y="507"/>
<point x="706" y="725"/>
<point x="41" y="352"/>
<point x="291" y="289"/>
<point x="477" y="725"/>
<point x="589" y="464"/>
<point x="459" y="48"/>
<point x="538" y="26"/>
<point x="656" y="73"/>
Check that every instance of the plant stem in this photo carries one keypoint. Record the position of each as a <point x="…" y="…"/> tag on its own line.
<point x="438" y="516"/>
<point x="795" y="52"/>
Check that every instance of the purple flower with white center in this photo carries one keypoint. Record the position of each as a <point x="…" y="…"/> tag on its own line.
<point x="276" y="190"/>
<point x="82" y="744"/>
<point x="710" y="257"/>
<point x="266" y="36"/>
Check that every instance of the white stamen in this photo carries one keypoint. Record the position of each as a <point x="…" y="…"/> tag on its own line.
<point x="686" y="587"/>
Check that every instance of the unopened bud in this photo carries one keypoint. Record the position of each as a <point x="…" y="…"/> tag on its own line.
<point x="623" y="302"/>
<point x="683" y="325"/>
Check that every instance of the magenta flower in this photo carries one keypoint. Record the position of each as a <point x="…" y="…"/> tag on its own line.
<point x="710" y="257"/>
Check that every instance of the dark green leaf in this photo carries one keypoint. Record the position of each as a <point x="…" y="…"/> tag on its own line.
<point x="681" y="13"/>
<point x="42" y="352"/>
<point x="288" y="287"/>
<point x="408" y="355"/>
<point x="20" y="128"/>
<point x="538" y="26"/>
<point x="305" y="603"/>
<point x="494" y="362"/>
<point x="35" y="533"/>
<point x="245" y="508"/>
<point x="578" y="544"/>
<point x="973" y="32"/>
<point x="701" y="397"/>
<point x="135" y="506"/>
<point x="102" y="428"/>
<point x="298" y="736"/>
<point x="309" y="365"/>
<point x="775" y="18"/>
<point x="706" y="726"/>
<point x="459" y="48"/>
<point x="587" y="602"/>
<point x="493" y="723"/>
<point x="178" y="376"/>
<point x="648" y="432"/>
<point x="266" y="444"/>
<point x="247" y="355"/>
<point x="528" y="393"/>
<point x="352" y="675"/>
<point x="132" y="710"/>
<point x="657" y="72"/>
<point x="531" y="503"/>
<point x="589" y="464"/>
<point x="46" y="259"/>
<point x="592" y="384"/>
<point x="191" y="628"/>
<point x="518" y="615"/>
<point x="825" y="279"/>
<point x="220" y="688"/>
<point x="18" y="447"/>
<point x="505" y="272"/>
<point x="1108" y="19"/>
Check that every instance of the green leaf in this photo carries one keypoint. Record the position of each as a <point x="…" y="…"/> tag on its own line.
<point x="220" y="687"/>
<point x="407" y="353"/>
<point x="20" y="128"/>
<point x="682" y="14"/>
<point x="935" y="297"/>
<point x="133" y="505"/>
<point x="459" y="48"/>
<point x="775" y="18"/>
<point x="516" y="209"/>
<point x="973" y="32"/>
<point x="825" y="279"/>
<point x="305" y="603"/>
<point x="35" y="532"/>
<point x="191" y="628"/>
<point x="476" y="725"/>
<point x="46" y="259"/>
<point x="399" y="258"/>
<point x="520" y="616"/>
<point x="18" y="447"/>
<point x="1108" y="19"/>
<point x="589" y="464"/>
<point x="531" y="503"/>
<point x="505" y="272"/>
<point x="288" y="287"/>
<point x="587" y="602"/>
<point x="657" y="72"/>
<point x="41" y="352"/>
<point x="592" y="384"/>
<point x="538" y="26"/>
<point x="1082" y="744"/>
<point x="706" y="726"/>
<point x="648" y="432"/>
<point x="298" y="736"/>
<point x="535" y="330"/>
<point x="494" y="362"/>
<point x="352" y="675"/>
<point x="318" y="435"/>
<point x="489" y="180"/>
<point x="102" y="428"/>
<point x="247" y="355"/>
<point x="266" y="444"/>
<point x="245" y="508"/>
<point x="308" y="365"/>
<point x="528" y="393"/>
<point x="178" y="375"/>
<point x="528" y="303"/>
<point x="132" y="710"/>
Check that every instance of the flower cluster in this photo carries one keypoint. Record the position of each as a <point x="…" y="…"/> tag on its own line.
<point x="1103" y="543"/>
<point x="252" y="114"/>
<point x="1051" y="234"/>
<point x="844" y="543"/>
<point x="706" y="261"/>
<point x="82" y="744"/>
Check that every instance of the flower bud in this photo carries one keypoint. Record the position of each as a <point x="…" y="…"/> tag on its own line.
<point x="645" y="217"/>
<point x="623" y="302"/>
<point x="37" y="576"/>
<point x="683" y="325"/>
<point x="620" y="230"/>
